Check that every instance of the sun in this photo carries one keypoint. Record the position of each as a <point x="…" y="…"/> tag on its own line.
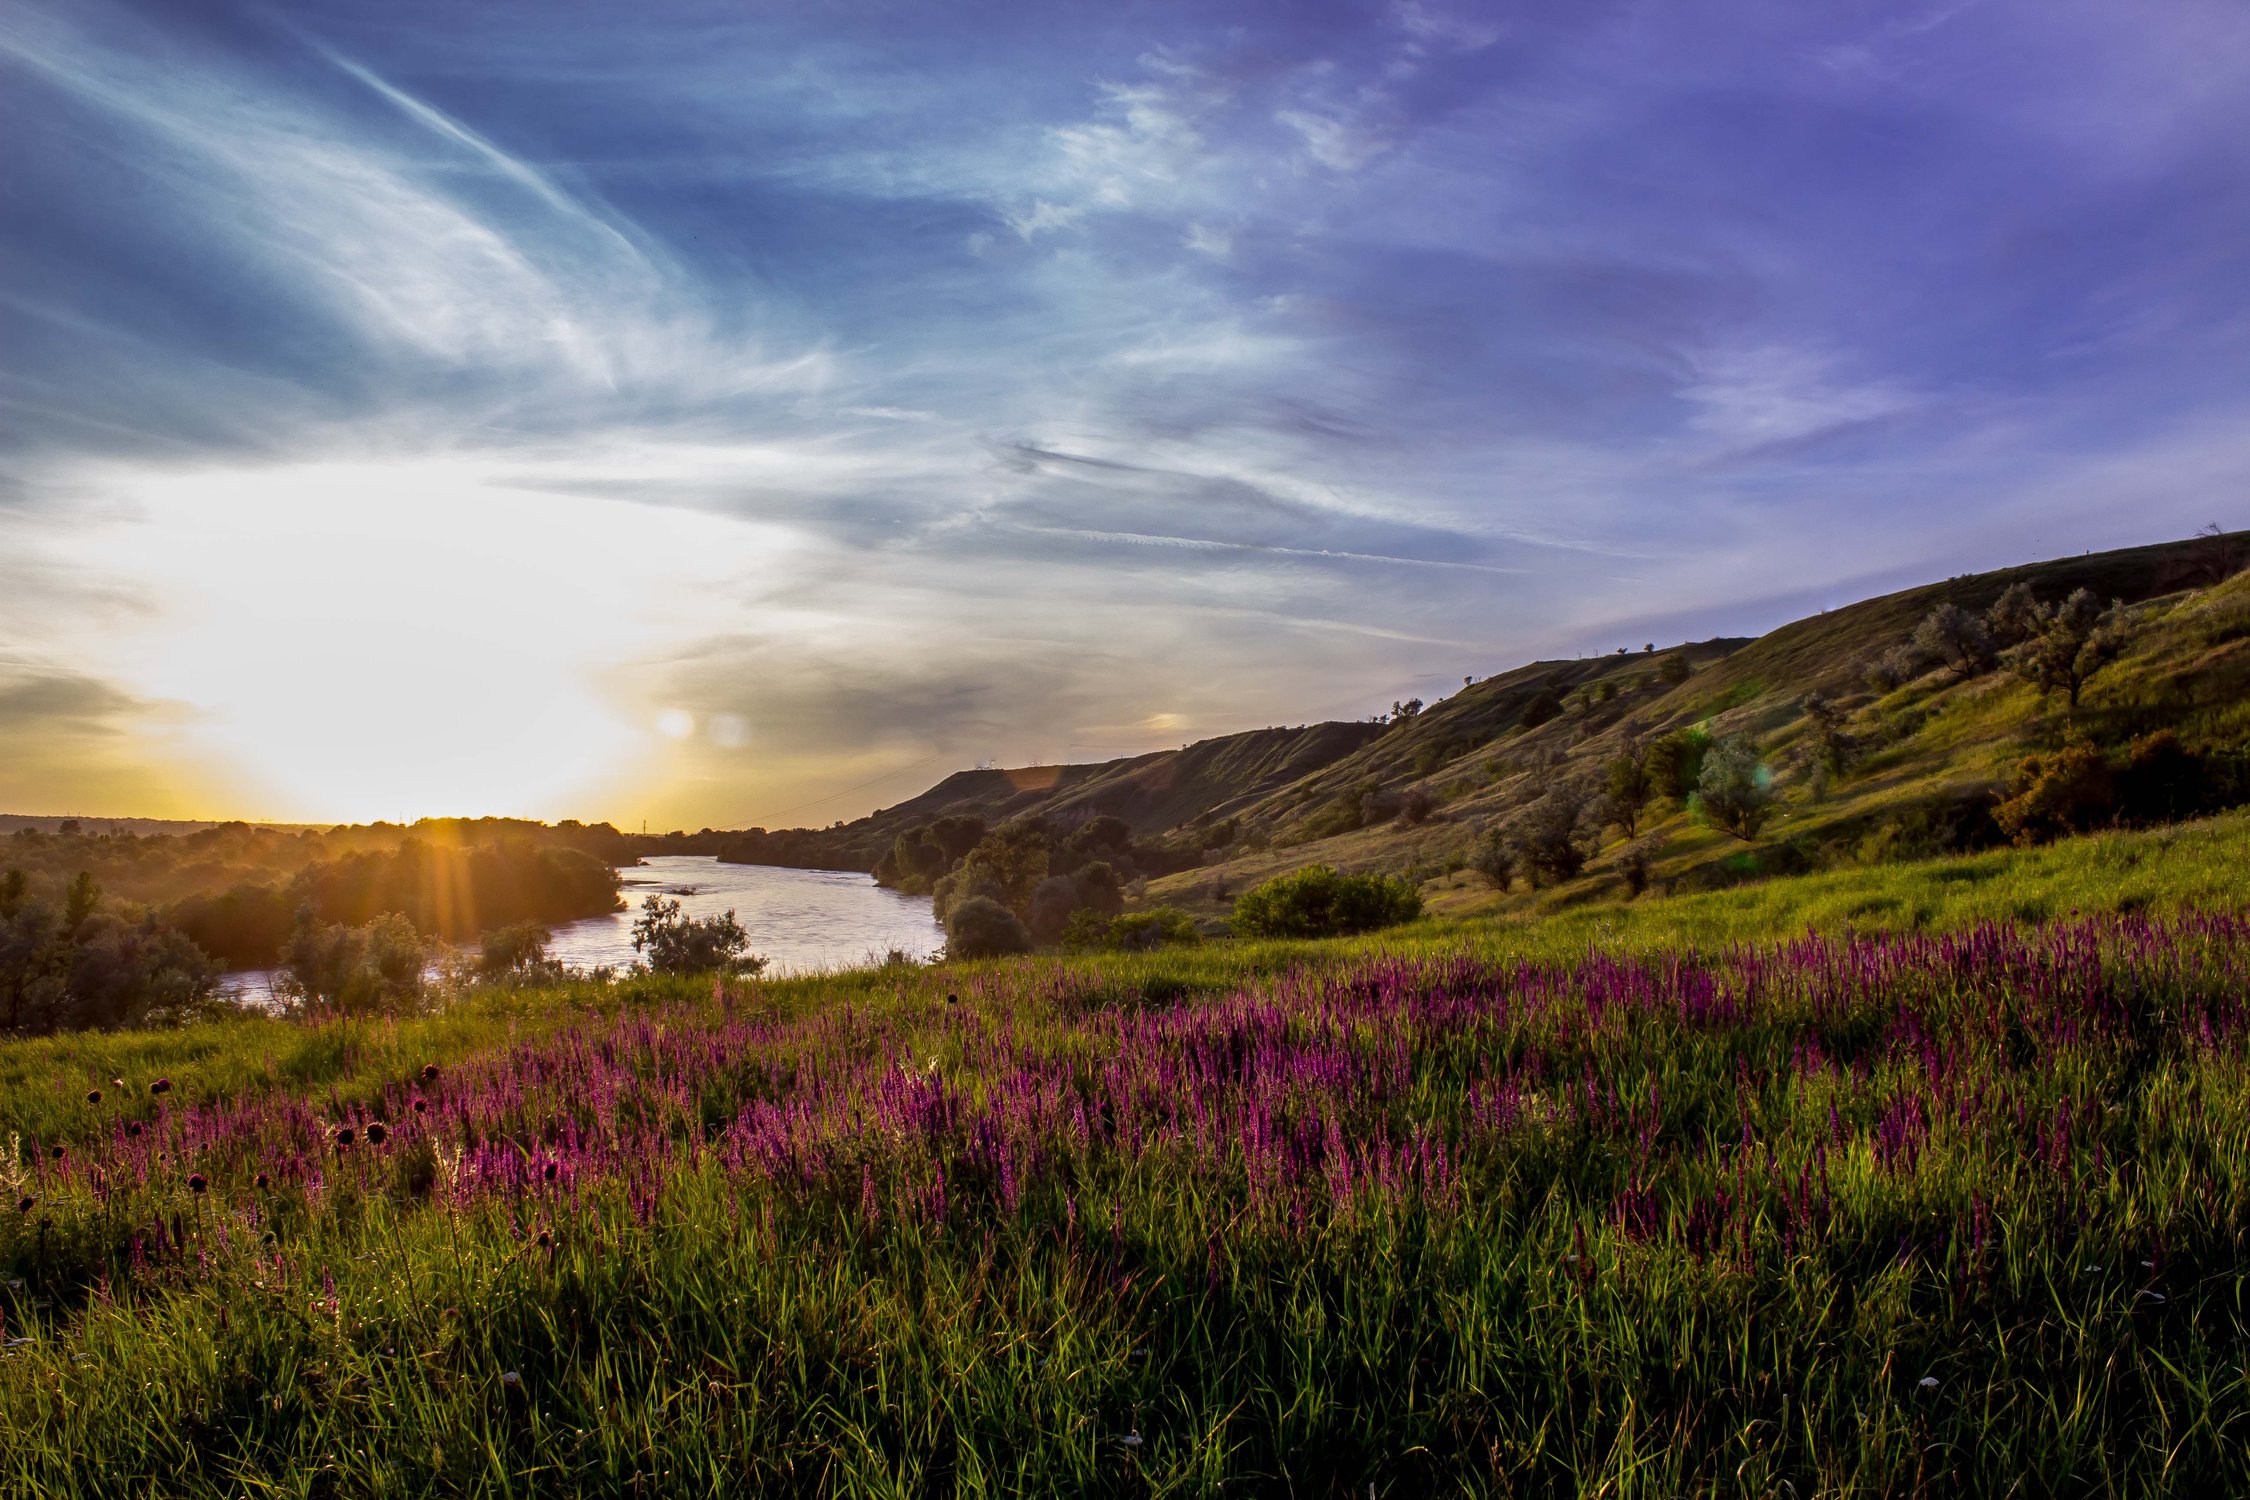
<point x="360" y="641"/>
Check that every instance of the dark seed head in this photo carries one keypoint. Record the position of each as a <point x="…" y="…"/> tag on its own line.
<point x="376" y="1133"/>
<point x="26" y="1205"/>
<point x="132" y="1127"/>
<point x="56" y="1152"/>
<point x="93" y="1096"/>
<point x="420" y="1105"/>
<point x="343" y="1135"/>
<point x="161" y="1086"/>
<point x="550" y="1171"/>
<point x="429" y="1072"/>
<point x="263" y="1182"/>
<point x="953" y="999"/>
<point x="546" y="1240"/>
<point x="195" y="1182"/>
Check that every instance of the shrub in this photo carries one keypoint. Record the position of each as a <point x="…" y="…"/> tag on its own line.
<point x="981" y="927"/>
<point x="2069" y="791"/>
<point x="1543" y="706"/>
<point x="1550" y="836"/>
<point x="1416" y="806"/>
<point x="1158" y="927"/>
<point x="1494" y="859"/>
<point x="2068" y="643"/>
<point x="2163" y="781"/>
<point x="1736" y="792"/>
<point x="375" y="968"/>
<point x="1632" y="865"/>
<point x="517" y="952"/>
<point x="1629" y="785"/>
<point x="1955" y="637"/>
<point x="672" y="942"/>
<point x="1320" y="902"/>
<point x="1676" y="761"/>
<point x="1673" y="670"/>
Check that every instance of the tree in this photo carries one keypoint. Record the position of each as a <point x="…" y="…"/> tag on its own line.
<point x="1675" y="761"/>
<point x="1403" y="712"/>
<point x="1627" y="781"/>
<point x="1550" y="835"/>
<point x="1544" y="705"/>
<point x="2069" y="644"/>
<point x="1006" y="866"/>
<point x="1832" y="742"/>
<point x="1416" y="806"/>
<point x="517" y="952"/>
<point x="2014" y="616"/>
<point x="374" y="968"/>
<point x="1957" y="638"/>
<point x="1673" y="669"/>
<point x="1735" y="790"/>
<point x="1494" y="859"/>
<point x="2069" y="791"/>
<point x="672" y="942"/>
<point x="980" y="927"/>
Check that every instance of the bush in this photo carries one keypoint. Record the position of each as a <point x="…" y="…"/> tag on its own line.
<point x="375" y="968"/>
<point x="1957" y="638"/>
<point x="1675" y="761"/>
<point x="2069" y="791"/>
<point x="673" y="942"/>
<point x="2163" y="781"/>
<point x="1145" y="931"/>
<point x="981" y="927"/>
<point x="1551" y="836"/>
<point x="1544" y="705"/>
<point x="517" y="953"/>
<point x="1673" y="670"/>
<point x="1494" y="859"/>
<point x="1320" y="902"/>
<point x="1416" y="806"/>
<point x="1957" y="824"/>
<point x="1736" y="792"/>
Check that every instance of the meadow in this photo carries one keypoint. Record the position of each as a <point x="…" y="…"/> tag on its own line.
<point x="1920" y="1179"/>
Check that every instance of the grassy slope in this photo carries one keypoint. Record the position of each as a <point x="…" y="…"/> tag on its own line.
<point x="1934" y="739"/>
<point x="1520" y="1340"/>
<point x="2192" y="866"/>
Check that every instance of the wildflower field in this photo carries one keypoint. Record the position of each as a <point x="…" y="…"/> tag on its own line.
<point x="1827" y="1215"/>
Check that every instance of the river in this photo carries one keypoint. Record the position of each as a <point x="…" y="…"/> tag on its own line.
<point x="801" y="921"/>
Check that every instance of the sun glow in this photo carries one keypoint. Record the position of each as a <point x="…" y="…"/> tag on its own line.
<point x="388" y="641"/>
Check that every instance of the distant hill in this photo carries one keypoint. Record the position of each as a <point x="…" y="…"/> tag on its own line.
<point x="1414" y="795"/>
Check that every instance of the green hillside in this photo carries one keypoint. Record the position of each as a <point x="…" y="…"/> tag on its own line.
<point x="1924" y="764"/>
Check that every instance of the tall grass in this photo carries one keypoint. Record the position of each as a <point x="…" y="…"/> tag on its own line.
<point x="1882" y="1214"/>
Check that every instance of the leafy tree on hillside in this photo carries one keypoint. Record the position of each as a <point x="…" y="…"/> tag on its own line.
<point x="1630" y="786"/>
<point x="2069" y="643"/>
<point x="2014" y="616"/>
<point x="1495" y="859"/>
<point x="1674" y="669"/>
<point x="1957" y="638"/>
<point x="1551" y="836"/>
<point x="1543" y="706"/>
<point x="1833" y="744"/>
<point x="1675" y="761"/>
<point x="1406" y="712"/>
<point x="1736" y="791"/>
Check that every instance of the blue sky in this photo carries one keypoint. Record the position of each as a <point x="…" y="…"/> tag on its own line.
<point x="745" y="413"/>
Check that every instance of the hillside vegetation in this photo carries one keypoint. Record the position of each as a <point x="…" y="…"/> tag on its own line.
<point x="1709" y="1204"/>
<point x="1891" y="729"/>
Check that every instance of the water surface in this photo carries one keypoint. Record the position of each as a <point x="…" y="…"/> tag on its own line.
<point x="801" y="920"/>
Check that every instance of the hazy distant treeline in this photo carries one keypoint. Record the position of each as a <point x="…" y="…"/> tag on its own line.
<point x="109" y="930"/>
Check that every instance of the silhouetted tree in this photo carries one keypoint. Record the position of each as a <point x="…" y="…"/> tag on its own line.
<point x="1956" y="638"/>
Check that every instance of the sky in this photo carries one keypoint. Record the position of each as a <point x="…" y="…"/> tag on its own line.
<point x="731" y="414"/>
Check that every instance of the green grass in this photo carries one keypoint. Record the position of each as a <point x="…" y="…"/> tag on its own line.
<point x="1715" y="1203"/>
